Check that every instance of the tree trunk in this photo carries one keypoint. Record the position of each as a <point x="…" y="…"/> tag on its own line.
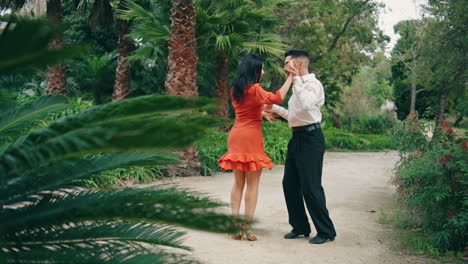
<point x="181" y="78"/>
<point x="442" y="104"/>
<point x="222" y="90"/>
<point x="440" y="111"/>
<point x="56" y="83"/>
<point x="336" y="120"/>
<point x="413" y="97"/>
<point x="122" y="72"/>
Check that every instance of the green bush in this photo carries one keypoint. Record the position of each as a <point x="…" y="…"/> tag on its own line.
<point x="431" y="182"/>
<point x="276" y="137"/>
<point x="341" y="140"/>
<point x="211" y="147"/>
<point x="379" y="123"/>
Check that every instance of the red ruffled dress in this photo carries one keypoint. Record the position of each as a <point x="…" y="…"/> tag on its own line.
<point x="245" y="142"/>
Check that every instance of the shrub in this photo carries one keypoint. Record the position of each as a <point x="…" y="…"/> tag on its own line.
<point x="369" y="124"/>
<point x="276" y="137"/>
<point x="211" y="147"/>
<point x="431" y="182"/>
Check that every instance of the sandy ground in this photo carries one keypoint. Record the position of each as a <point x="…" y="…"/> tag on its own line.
<point x="357" y="188"/>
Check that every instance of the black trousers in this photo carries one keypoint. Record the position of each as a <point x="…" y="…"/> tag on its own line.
<point x="303" y="182"/>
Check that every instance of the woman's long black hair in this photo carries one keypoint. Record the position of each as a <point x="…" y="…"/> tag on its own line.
<point x="248" y="73"/>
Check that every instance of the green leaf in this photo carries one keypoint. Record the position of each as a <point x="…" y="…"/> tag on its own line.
<point x="63" y="173"/>
<point x="24" y="43"/>
<point x="19" y="119"/>
<point x="157" y="204"/>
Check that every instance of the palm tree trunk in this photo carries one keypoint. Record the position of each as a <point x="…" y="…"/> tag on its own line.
<point x="56" y="83"/>
<point x="222" y="90"/>
<point x="181" y="78"/>
<point x="122" y="72"/>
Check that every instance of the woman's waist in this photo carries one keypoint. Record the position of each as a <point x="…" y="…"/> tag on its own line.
<point x="248" y="123"/>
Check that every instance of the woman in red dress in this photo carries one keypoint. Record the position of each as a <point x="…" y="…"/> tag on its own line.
<point x="246" y="156"/>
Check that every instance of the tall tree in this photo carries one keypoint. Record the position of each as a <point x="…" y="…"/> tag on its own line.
<point x="338" y="35"/>
<point x="56" y="82"/>
<point x="449" y="38"/>
<point x="122" y="72"/>
<point x="102" y="14"/>
<point x="409" y="53"/>
<point x="233" y="28"/>
<point x="181" y="78"/>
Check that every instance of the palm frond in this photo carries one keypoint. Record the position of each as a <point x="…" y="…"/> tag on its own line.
<point x="73" y="233"/>
<point x="265" y="44"/>
<point x="157" y="204"/>
<point x="226" y="42"/>
<point x="30" y="39"/>
<point x="18" y="119"/>
<point x="115" y="127"/>
<point x="65" y="173"/>
<point x="148" y="24"/>
<point x="92" y="252"/>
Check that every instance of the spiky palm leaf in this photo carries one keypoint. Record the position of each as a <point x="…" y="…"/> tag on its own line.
<point x="45" y="219"/>
<point x="15" y="121"/>
<point x="233" y="28"/>
<point x="44" y="222"/>
<point x="27" y="54"/>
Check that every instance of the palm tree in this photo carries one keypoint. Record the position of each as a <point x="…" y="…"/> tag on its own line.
<point x="47" y="219"/>
<point x="122" y="72"/>
<point x="56" y="82"/>
<point x="102" y="14"/>
<point x="234" y="28"/>
<point x="225" y="30"/>
<point x="181" y="78"/>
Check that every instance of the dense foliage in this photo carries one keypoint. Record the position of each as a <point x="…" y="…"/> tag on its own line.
<point x="47" y="219"/>
<point x="431" y="180"/>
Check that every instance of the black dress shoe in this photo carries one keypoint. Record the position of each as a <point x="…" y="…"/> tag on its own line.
<point x="292" y="235"/>
<point x="320" y="240"/>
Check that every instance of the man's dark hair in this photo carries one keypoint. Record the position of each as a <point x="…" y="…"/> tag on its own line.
<point x="296" y="53"/>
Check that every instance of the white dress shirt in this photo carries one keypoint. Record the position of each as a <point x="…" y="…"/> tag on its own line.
<point x="304" y="105"/>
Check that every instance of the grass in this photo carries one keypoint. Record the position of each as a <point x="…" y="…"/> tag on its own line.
<point x="412" y="240"/>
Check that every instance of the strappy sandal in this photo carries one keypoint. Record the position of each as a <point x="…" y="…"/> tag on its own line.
<point x="237" y="236"/>
<point x="248" y="233"/>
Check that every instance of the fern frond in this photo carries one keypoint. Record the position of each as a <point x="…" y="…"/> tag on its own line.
<point x="18" y="119"/>
<point x="30" y="39"/>
<point x="115" y="127"/>
<point x="157" y="204"/>
<point x="93" y="252"/>
<point x="73" y="233"/>
<point x="63" y="173"/>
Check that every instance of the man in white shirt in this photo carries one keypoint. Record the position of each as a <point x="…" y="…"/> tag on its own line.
<point x="303" y="170"/>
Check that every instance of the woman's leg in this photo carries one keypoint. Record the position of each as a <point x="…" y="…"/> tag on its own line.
<point x="251" y="194"/>
<point x="237" y="190"/>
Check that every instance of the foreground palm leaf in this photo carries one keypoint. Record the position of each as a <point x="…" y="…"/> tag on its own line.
<point x="27" y="54"/>
<point x="47" y="220"/>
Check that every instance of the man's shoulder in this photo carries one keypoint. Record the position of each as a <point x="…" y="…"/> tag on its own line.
<point x="311" y="80"/>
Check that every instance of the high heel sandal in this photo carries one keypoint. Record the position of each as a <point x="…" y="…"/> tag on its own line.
<point x="237" y="236"/>
<point x="248" y="233"/>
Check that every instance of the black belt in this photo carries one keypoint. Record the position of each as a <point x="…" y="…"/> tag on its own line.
<point x="307" y="128"/>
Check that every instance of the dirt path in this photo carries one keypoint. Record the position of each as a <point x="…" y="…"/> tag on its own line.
<point x="356" y="186"/>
